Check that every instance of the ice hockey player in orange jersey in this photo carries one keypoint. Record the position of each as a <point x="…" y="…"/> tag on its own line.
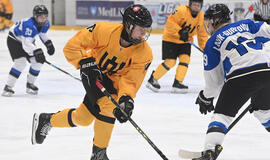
<point x="181" y="26"/>
<point x="117" y="55"/>
<point x="6" y="12"/>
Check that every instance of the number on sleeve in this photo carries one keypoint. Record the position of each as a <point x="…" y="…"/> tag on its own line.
<point x="91" y="28"/>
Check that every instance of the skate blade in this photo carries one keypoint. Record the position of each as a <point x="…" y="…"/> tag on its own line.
<point x="34" y="128"/>
<point x="30" y="91"/>
<point x="7" y="94"/>
<point x="179" y="91"/>
<point x="149" y="86"/>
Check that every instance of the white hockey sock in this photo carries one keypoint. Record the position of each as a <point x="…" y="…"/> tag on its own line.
<point x="16" y="70"/>
<point x="33" y="71"/>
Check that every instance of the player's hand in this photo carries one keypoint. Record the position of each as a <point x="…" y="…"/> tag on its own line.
<point x="184" y="34"/>
<point x="206" y="104"/>
<point x="89" y="71"/>
<point x="39" y="55"/>
<point x="50" y="47"/>
<point x="127" y="104"/>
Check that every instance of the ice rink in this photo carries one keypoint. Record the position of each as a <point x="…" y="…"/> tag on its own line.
<point x="172" y="121"/>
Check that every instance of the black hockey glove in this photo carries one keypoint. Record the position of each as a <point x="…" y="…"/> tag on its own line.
<point x="50" y="47"/>
<point x="184" y="34"/>
<point x="90" y="71"/>
<point x="127" y="104"/>
<point x="39" y="56"/>
<point x="206" y="104"/>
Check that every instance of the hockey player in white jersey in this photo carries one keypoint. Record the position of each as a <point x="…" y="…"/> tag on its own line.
<point x="22" y="48"/>
<point x="236" y="68"/>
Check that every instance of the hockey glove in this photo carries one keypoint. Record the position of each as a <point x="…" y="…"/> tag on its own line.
<point x="184" y="34"/>
<point x="90" y="71"/>
<point x="39" y="56"/>
<point x="127" y="104"/>
<point x="206" y="104"/>
<point x="50" y="47"/>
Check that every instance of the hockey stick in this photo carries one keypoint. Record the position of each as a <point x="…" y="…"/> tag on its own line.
<point x="54" y="66"/>
<point x="191" y="154"/>
<point x="196" y="46"/>
<point x="239" y="117"/>
<point x="101" y="87"/>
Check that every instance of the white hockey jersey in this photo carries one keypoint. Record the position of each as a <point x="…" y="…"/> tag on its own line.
<point x="235" y="50"/>
<point x="25" y="32"/>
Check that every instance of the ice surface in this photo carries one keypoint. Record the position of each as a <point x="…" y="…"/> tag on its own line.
<point x="171" y="121"/>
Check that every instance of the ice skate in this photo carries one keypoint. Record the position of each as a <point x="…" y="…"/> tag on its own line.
<point x="40" y="127"/>
<point x="179" y="87"/>
<point x="99" y="154"/>
<point x="210" y="154"/>
<point x="7" y="92"/>
<point x="31" y="89"/>
<point x="153" y="84"/>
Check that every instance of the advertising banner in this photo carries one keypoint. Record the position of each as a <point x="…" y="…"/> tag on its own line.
<point x="100" y="10"/>
<point x="160" y="12"/>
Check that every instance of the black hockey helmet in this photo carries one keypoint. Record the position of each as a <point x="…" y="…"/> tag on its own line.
<point x="136" y="15"/>
<point x="218" y="13"/>
<point x="38" y="11"/>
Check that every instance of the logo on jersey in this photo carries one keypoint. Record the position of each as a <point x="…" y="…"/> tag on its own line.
<point x="106" y="62"/>
<point x="188" y="27"/>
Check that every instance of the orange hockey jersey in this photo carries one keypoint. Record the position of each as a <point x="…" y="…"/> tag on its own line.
<point x="126" y="67"/>
<point x="179" y="19"/>
<point x="8" y="7"/>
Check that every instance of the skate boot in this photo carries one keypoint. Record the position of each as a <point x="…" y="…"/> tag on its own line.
<point x="153" y="83"/>
<point x="209" y="154"/>
<point x="7" y="92"/>
<point x="99" y="154"/>
<point x="40" y="127"/>
<point x="31" y="88"/>
<point x="179" y="87"/>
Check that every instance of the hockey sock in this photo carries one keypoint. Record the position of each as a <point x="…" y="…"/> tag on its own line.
<point x="103" y="132"/>
<point x="16" y="70"/>
<point x="182" y="67"/>
<point x="62" y="119"/>
<point x="82" y="117"/>
<point x="33" y="71"/>
<point x="163" y="68"/>
<point x="2" y="24"/>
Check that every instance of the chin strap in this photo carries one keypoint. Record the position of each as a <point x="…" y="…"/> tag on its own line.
<point x="125" y="35"/>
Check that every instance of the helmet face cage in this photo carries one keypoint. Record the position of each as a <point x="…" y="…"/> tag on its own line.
<point x="40" y="10"/>
<point x="137" y="15"/>
<point x="218" y="14"/>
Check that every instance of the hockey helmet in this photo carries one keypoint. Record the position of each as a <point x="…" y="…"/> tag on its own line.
<point x="218" y="14"/>
<point x="136" y="15"/>
<point x="38" y="11"/>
